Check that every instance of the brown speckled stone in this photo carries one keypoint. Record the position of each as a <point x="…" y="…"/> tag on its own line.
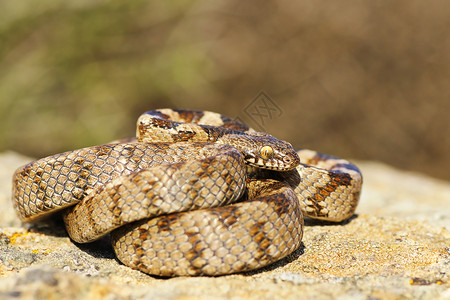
<point x="397" y="246"/>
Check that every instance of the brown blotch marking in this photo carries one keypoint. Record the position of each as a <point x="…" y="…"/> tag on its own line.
<point x="101" y="150"/>
<point x="183" y="136"/>
<point x="145" y="187"/>
<point x="272" y="194"/>
<point x="87" y="166"/>
<point x="142" y="129"/>
<point x="256" y="232"/>
<point x="204" y="165"/>
<point x="84" y="172"/>
<point x="161" y="123"/>
<point x="261" y="240"/>
<point x="137" y="160"/>
<point x="233" y="124"/>
<point x="43" y="196"/>
<point x="156" y="122"/>
<point x="280" y="204"/>
<point x="37" y="179"/>
<point x="143" y="233"/>
<point x="214" y="133"/>
<point x="201" y="173"/>
<point x="79" y="160"/>
<point x="236" y="155"/>
<point x="196" y="251"/>
<point x="76" y="167"/>
<point x="325" y="192"/>
<point x="189" y="116"/>
<point x="42" y="186"/>
<point x="27" y="169"/>
<point x="47" y="201"/>
<point x="78" y="193"/>
<point x="57" y="163"/>
<point x="316" y="208"/>
<point x="164" y="223"/>
<point x="82" y="181"/>
<point x="318" y="197"/>
<point x="336" y="179"/>
<point x="90" y="208"/>
<point x="138" y="249"/>
<point x="228" y="177"/>
<point x="339" y="179"/>
<point x="228" y="215"/>
<point x="128" y="151"/>
<point x="115" y="196"/>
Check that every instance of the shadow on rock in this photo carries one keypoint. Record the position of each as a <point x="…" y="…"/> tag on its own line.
<point x="316" y="222"/>
<point x="100" y="248"/>
<point x="280" y="263"/>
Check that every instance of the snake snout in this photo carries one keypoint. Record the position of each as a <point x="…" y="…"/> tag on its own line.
<point x="291" y="159"/>
<point x="280" y="161"/>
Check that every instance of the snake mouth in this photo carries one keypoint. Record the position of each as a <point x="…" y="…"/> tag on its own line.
<point x="270" y="164"/>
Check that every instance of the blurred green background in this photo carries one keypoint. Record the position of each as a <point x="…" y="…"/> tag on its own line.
<point x="357" y="79"/>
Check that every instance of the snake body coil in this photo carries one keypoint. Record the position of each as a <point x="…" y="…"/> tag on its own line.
<point x="196" y="194"/>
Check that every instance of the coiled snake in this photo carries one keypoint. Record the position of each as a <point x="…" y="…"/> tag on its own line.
<point x="196" y="194"/>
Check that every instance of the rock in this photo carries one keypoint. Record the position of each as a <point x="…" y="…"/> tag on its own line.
<point x="397" y="246"/>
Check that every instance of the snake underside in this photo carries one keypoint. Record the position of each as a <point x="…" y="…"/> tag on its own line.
<point x="196" y="193"/>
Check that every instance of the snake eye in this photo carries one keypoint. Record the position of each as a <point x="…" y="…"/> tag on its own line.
<point x="266" y="152"/>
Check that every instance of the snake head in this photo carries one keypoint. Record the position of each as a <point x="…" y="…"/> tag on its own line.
<point x="264" y="151"/>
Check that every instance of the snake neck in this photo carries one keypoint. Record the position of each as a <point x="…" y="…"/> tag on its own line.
<point x="262" y="150"/>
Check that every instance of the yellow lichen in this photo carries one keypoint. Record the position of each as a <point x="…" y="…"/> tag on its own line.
<point x="12" y="238"/>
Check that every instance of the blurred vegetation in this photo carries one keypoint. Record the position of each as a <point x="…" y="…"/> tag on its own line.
<point x="364" y="80"/>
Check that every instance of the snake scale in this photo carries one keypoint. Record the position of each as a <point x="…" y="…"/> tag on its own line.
<point x="196" y="193"/>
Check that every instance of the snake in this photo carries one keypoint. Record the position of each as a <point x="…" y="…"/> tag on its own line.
<point x="194" y="193"/>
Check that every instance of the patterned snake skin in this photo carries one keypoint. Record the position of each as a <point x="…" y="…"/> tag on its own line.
<point x="196" y="193"/>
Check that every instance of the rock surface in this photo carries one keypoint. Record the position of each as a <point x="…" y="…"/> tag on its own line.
<point x="397" y="246"/>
